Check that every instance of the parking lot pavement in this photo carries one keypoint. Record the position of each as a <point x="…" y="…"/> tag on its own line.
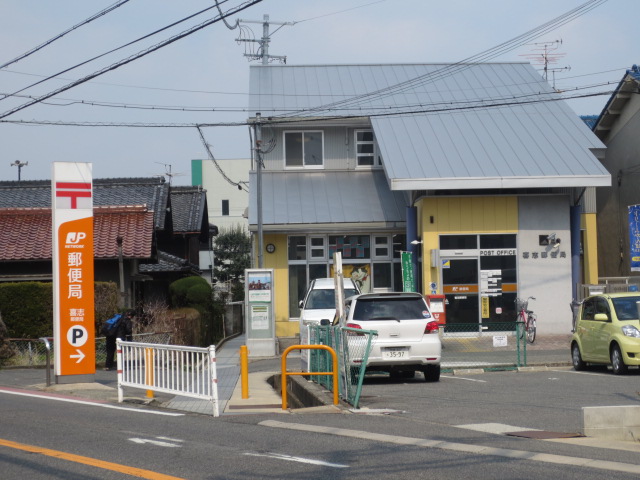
<point x="548" y="350"/>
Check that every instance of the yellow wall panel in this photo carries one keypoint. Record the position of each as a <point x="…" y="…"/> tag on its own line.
<point x="462" y="215"/>
<point x="279" y="262"/>
<point x="590" y="247"/>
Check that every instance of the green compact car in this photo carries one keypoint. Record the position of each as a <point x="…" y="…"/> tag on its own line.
<point x="607" y="331"/>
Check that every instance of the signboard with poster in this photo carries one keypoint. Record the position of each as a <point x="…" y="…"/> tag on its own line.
<point x="259" y="319"/>
<point x="73" y="287"/>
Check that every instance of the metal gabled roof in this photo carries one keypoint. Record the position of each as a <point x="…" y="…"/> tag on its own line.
<point x="628" y="86"/>
<point x="444" y="126"/>
<point x="326" y="198"/>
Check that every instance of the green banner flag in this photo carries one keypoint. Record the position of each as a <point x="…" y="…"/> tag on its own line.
<point x="408" y="285"/>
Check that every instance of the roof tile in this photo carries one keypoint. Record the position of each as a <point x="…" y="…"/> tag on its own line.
<point x="25" y="234"/>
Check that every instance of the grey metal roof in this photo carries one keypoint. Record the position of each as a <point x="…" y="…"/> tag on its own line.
<point x="445" y="126"/>
<point x="327" y="197"/>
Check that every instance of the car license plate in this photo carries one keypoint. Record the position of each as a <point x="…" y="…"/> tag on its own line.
<point x="395" y="353"/>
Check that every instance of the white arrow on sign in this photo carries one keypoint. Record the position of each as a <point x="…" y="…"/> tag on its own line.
<point x="80" y="356"/>
<point x="157" y="443"/>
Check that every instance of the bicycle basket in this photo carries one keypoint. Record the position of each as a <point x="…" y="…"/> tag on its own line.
<point x="521" y="304"/>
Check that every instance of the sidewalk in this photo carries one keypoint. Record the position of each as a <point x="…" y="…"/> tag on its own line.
<point x="262" y="398"/>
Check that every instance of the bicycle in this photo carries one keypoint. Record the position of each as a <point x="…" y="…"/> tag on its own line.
<point x="528" y="319"/>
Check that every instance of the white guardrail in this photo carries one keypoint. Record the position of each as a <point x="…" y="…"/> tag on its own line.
<point x="184" y="371"/>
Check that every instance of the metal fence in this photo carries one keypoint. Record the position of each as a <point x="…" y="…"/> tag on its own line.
<point x="496" y="346"/>
<point x="609" y="285"/>
<point x="178" y="370"/>
<point x="352" y="347"/>
<point x="233" y="319"/>
<point x="30" y="352"/>
<point x="490" y="347"/>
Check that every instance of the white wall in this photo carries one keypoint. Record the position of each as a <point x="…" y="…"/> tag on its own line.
<point x="546" y="279"/>
<point x="219" y="189"/>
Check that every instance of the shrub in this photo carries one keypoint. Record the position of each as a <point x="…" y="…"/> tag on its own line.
<point x="179" y="290"/>
<point x="27" y="307"/>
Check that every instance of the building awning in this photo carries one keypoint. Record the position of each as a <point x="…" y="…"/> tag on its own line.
<point x="326" y="200"/>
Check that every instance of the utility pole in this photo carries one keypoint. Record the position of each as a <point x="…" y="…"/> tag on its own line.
<point x="19" y="164"/>
<point x="263" y="49"/>
<point x="258" y="127"/>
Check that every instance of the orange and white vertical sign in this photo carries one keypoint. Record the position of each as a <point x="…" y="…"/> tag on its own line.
<point x="73" y="287"/>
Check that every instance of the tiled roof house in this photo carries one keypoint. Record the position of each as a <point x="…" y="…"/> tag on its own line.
<point x="138" y="210"/>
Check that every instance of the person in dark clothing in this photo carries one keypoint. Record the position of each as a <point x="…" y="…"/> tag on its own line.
<point x="123" y="332"/>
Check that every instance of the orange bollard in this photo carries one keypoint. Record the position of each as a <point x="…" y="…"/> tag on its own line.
<point x="149" y="372"/>
<point x="244" y="371"/>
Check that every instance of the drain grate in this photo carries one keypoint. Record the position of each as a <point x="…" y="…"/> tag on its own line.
<point x="543" y="435"/>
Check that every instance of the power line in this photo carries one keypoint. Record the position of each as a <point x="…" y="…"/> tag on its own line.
<point x="338" y="12"/>
<point x="183" y="108"/>
<point x="60" y="35"/>
<point x="113" y="50"/>
<point x="463" y="64"/>
<point x="284" y="95"/>
<point x="270" y="121"/>
<point x="239" y="185"/>
<point x="132" y="58"/>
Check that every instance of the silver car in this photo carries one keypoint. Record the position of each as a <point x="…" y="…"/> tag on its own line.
<point x="407" y="340"/>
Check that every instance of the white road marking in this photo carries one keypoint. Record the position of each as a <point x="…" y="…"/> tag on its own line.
<point x="460" y="447"/>
<point x="578" y="373"/>
<point x="157" y="443"/>
<point x="497" y="428"/>
<point x="169" y="439"/>
<point x="453" y="377"/>
<point x="289" y="458"/>
<point x="93" y="404"/>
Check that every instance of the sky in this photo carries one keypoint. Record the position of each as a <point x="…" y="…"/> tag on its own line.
<point x="208" y="71"/>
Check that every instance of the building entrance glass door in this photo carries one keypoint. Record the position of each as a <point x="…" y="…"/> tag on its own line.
<point x="460" y="287"/>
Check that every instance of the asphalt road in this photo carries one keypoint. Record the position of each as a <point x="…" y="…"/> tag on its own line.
<point x="424" y="431"/>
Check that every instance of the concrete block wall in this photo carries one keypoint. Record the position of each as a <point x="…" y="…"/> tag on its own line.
<point x="612" y="423"/>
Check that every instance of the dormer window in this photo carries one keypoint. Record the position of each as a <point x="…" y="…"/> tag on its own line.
<point x="366" y="150"/>
<point x="303" y="149"/>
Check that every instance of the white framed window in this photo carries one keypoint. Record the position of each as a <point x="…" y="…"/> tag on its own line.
<point x="304" y="149"/>
<point x="317" y="248"/>
<point x="366" y="149"/>
<point x="381" y="247"/>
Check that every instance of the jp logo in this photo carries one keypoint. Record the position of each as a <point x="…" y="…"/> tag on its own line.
<point x="74" y="238"/>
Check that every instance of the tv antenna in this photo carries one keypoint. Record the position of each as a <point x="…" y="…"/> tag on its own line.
<point x="545" y="54"/>
<point x="262" y="52"/>
<point x="19" y="164"/>
<point x="168" y="172"/>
